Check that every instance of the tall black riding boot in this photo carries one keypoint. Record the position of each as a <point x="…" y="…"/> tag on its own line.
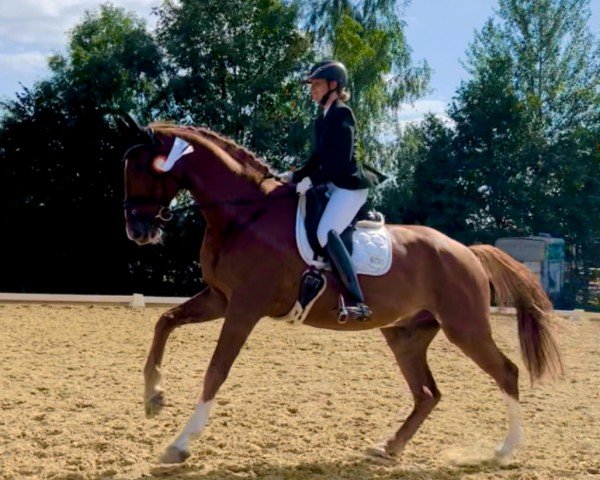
<point x="343" y="263"/>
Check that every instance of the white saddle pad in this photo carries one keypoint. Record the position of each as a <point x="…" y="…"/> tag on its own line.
<point x="371" y="245"/>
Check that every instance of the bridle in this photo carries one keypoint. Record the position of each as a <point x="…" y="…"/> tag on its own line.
<point x="166" y="214"/>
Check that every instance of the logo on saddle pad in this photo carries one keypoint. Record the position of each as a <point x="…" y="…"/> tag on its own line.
<point x="371" y="245"/>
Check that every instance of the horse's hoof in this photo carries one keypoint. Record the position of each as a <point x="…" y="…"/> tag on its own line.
<point x="154" y="405"/>
<point x="379" y="451"/>
<point x="503" y="458"/>
<point x="505" y="450"/>
<point x="174" y="455"/>
<point x="503" y="453"/>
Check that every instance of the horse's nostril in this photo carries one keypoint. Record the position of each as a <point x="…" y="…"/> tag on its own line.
<point x="137" y="231"/>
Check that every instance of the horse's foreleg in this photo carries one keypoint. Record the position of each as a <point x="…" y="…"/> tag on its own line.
<point x="239" y="322"/>
<point x="207" y="305"/>
<point x="409" y="346"/>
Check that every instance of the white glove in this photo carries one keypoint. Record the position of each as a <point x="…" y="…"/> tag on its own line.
<point x="286" y="177"/>
<point x="303" y="186"/>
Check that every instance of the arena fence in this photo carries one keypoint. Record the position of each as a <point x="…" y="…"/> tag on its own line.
<point x="137" y="300"/>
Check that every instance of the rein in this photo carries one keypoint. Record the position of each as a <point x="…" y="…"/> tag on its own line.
<point x="166" y="214"/>
<point x="237" y="201"/>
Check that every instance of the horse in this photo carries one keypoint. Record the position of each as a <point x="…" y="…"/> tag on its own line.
<point x="252" y="270"/>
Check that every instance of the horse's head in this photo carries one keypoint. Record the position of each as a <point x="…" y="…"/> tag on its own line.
<point x="153" y="176"/>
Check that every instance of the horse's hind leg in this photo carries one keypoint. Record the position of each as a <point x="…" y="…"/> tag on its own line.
<point x="209" y="304"/>
<point x="409" y="345"/>
<point x="472" y="334"/>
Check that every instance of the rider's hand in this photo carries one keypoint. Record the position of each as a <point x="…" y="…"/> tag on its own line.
<point x="303" y="186"/>
<point x="286" y="177"/>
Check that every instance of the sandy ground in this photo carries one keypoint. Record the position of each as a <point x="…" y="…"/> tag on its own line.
<point x="300" y="403"/>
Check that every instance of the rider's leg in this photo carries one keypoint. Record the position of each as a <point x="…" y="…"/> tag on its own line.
<point x="343" y="264"/>
<point x="342" y="207"/>
<point x="340" y="257"/>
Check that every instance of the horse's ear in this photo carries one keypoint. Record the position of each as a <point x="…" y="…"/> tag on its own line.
<point x="129" y="126"/>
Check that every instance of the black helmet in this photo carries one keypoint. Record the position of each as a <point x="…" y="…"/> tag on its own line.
<point x="329" y="70"/>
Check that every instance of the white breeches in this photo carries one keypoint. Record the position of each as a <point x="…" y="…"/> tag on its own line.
<point x="342" y="207"/>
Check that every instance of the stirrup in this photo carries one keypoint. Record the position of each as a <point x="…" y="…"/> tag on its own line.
<point x="359" y="312"/>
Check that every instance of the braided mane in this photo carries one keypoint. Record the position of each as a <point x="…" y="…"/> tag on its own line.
<point x="249" y="165"/>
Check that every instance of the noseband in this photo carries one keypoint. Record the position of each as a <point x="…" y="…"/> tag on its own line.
<point x="165" y="214"/>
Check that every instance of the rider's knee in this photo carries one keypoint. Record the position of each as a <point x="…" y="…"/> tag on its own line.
<point x="323" y="234"/>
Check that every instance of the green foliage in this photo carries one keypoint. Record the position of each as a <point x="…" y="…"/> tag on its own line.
<point x="521" y="156"/>
<point x="368" y="37"/>
<point x="427" y="189"/>
<point x="60" y="163"/>
<point x="112" y="62"/>
<point x="230" y="65"/>
<point x="234" y="65"/>
<point x="527" y="126"/>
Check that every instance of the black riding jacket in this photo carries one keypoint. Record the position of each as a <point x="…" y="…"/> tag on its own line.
<point x="333" y="159"/>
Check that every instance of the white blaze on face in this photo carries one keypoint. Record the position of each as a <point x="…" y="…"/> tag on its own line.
<point x="179" y="149"/>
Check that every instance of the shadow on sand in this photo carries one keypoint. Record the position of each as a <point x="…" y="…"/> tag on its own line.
<point x="352" y="469"/>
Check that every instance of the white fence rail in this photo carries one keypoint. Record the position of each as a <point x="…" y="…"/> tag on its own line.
<point x="571" y="314"/>
<point x="137" y="300"/>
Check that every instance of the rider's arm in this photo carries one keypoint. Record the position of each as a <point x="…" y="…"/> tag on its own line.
<point x="309" y="168"/>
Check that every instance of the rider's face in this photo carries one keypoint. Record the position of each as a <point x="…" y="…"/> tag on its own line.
<point x="319" y="87"/>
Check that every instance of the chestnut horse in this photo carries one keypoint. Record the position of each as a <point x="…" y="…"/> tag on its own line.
<point x="252" y="268"/>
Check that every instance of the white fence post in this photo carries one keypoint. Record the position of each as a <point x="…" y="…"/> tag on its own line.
<point x="137" y="301"/>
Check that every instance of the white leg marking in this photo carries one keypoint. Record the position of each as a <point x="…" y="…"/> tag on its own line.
<point x="194" y="426"/>
<point x="514" y="436"/>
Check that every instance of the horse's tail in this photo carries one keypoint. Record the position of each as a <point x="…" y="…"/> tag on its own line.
<point x="515" y="285"/>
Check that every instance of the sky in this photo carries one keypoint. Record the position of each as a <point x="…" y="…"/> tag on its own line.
<point x="438" y="31"/>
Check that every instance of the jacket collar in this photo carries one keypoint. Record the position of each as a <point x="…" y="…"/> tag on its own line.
<point x="332" y="108"/>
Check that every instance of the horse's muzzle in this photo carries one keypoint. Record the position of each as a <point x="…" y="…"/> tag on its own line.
<point x="143" y="233"/>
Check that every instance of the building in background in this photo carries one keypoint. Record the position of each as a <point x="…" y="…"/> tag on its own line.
<point x="544" y="255"/>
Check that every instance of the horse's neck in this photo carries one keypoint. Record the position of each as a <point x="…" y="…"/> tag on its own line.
<point x="222" y="194"/>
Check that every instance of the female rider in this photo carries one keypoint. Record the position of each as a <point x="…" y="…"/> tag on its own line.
<point x="333" y="164"/>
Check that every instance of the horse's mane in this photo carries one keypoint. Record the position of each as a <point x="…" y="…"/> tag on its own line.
<point x="247" y="163"/>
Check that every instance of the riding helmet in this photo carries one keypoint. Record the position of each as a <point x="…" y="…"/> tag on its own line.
<point x="330" y="70"/>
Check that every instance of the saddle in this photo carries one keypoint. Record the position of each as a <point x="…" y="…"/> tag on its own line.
<point x="366" y="238"/>
<point x="316" y="201"/>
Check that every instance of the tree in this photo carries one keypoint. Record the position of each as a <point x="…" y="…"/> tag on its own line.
<point x="490" y="146"/>
<point x="368" y="37"/>
<point x="112" y="63"/>
<point x="427" y="188"/>
<point x="526" y="123"/>
<point x="234" y="66"/>
<point x="60" y="162"/>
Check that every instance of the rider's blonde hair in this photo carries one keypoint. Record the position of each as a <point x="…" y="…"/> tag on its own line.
<point x="344" y="95"/>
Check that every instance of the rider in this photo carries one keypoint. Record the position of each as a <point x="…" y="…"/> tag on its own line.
<point x="333" y="164"/>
